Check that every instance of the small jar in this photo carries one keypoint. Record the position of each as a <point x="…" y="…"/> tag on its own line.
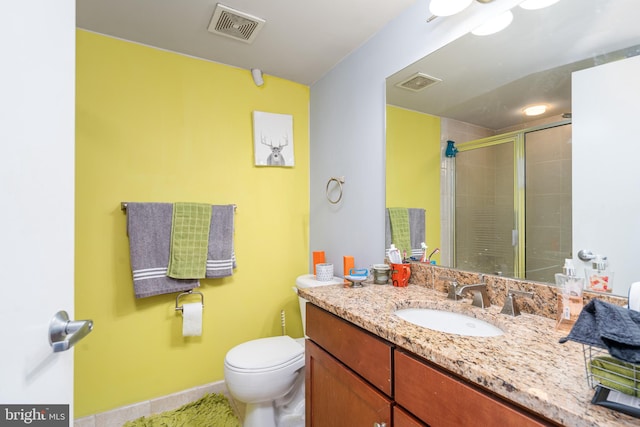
<point x="381" y="274"/>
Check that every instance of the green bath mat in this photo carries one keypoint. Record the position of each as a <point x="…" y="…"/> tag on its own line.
<point x="212" y="410"/>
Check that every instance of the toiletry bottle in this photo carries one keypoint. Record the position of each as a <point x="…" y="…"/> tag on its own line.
<point x="318" y="258"/>
<point x="570" y="301"/>
<point x="394" y="255"/>
<point x="424" y="257"/>
<point x="348" y="263"/>
<point x="599" y="278"/>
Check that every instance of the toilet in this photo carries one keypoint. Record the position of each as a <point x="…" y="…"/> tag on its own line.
<point x="267" y="374"/>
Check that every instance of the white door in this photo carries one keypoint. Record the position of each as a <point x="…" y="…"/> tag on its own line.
<point x="37" y="79"/>
<point x="605" y="105"/>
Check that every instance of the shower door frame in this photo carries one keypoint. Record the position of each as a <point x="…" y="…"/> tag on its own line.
<point x="517" y="139"/>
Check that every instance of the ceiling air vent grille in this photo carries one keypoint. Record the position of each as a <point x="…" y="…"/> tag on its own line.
<point x="418" y="82"/>
<point x="235" y="24"/>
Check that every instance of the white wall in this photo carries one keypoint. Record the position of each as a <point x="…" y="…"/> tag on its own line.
<point x="606" y="154"/>
<point x="348" y="129"/>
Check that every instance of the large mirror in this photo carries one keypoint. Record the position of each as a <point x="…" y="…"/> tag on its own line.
<point x="473" y="92"/>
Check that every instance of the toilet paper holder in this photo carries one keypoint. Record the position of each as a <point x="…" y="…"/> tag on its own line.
<point x="189" y="292"/>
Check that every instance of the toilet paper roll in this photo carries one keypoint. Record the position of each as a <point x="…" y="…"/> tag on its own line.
<point x="634" y="296"/>
<point x="192" y="319"/>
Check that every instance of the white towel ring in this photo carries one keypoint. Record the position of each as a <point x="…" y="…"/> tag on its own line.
<point x="339" y="181"/>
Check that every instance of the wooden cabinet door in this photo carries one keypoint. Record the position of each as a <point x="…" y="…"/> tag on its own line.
<point x="402" y="418"/>
<point x="337" y="397"/>
<point x="442" y="400"/>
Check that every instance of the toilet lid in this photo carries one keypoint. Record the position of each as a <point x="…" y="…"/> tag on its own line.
<point x="264" y="353"/>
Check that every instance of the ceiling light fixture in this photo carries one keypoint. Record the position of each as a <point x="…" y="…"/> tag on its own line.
<point x="537" y="4"/>
<point x="448" y="7"/>
<point x="534" y="110"/>
<point x="494" y="25"/>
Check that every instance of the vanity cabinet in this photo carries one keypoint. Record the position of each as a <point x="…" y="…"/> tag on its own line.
<point x="355" y="378"/>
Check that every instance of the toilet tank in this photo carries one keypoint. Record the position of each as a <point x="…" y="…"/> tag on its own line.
<point x="309" y="281"/>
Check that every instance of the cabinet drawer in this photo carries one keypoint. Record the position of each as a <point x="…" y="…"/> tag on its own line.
<point x="361" y="351"/>
<point x="441" y="399"/>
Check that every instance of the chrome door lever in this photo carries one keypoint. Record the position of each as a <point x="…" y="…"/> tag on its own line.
<point x="65" y="333"/>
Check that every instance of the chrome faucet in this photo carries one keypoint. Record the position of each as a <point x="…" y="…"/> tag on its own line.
<point x="480" y="295"/>
<point x="435" y="251"/>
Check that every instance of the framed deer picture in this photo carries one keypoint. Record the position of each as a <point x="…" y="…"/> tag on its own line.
<point x="273" y="139"/>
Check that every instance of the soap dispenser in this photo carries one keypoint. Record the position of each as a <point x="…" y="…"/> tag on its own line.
<point x="570" y="301"/>
<point x="599" y="277"/>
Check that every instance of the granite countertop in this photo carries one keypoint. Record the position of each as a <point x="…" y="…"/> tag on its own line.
<point x="526" y="365"/>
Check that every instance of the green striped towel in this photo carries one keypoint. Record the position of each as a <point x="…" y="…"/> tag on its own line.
<point x="189" y="240"/>
<point x="400" y="231"/>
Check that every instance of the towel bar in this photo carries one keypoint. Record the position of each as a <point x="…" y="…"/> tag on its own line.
<point x="190" y="292"/>
<point x="123" y="206"/>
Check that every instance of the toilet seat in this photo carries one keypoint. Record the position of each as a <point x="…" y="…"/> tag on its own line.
<point x="264" y="354"/>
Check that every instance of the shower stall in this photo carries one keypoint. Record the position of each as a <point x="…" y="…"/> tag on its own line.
<point x="512" y="203"/>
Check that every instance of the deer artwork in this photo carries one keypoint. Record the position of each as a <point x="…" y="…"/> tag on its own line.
<point x="275" y="158"/>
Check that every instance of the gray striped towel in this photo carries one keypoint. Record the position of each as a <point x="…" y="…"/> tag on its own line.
<point x="221" y="257"/>
<point x="149" y="230"/>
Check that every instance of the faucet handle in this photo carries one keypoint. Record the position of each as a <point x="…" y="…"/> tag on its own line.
<point x="453" y="287"/>
<point x="510" y="306"/>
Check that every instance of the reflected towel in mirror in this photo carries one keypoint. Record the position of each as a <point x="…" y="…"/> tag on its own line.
<point x="417" y="231"/>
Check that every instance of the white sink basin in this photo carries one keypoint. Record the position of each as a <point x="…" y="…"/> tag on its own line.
<point x="449" y="322"/>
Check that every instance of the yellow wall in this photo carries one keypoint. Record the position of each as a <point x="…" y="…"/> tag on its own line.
<point x="413" y="166"/>
<point x="157" y="126"/>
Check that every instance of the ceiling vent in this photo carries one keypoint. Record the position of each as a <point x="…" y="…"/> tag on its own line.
<point x="235" y="24"/>
<point x="418" y="82"/>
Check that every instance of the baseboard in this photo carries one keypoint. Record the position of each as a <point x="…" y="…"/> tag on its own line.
<point x="117" y="417"/>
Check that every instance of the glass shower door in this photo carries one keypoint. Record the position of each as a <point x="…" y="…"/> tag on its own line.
<point x="548" y="224"/>
<point x="486" y="239"/>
